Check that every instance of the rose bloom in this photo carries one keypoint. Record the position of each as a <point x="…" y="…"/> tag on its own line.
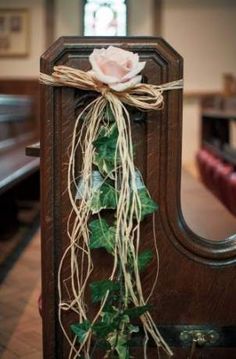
<point x="116" y="67"/>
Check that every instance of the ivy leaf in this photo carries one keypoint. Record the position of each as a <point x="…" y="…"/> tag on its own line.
<point x="136" y="312"/>
<point x="100" y="289"/>
<point x="110" y="314"/>
<point x="133" y="329"/>
<point x="105" y="146"/>
<point x="108" y="324"/>
<point x="122" y="348"/>
<point x="107" y="138"/>
<point x="80" y="330"/>
<point x="120" y="344"/>
<point x="102" y="329"/>
<point x="103" y="197"/>
<point x="144" y="258"/>
<point x="148" y="206"/>
<point x="97" y="181"/>
<point x="102" y="235"/>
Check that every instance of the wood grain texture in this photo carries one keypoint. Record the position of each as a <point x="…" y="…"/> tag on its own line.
<point x="197" y="278"/>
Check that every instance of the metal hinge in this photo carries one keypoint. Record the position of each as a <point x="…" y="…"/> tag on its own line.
<point x="185" y="336"/>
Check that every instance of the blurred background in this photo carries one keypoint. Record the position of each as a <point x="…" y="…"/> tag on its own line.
<point x="203" y="32"/>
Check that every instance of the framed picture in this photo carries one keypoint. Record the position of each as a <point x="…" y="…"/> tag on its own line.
<point x="14" y="32"/>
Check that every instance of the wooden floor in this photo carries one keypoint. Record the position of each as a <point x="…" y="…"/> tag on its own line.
<point x="20" y="323"/>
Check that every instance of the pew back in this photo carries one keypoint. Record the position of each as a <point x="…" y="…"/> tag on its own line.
<point x="189" y="265"/>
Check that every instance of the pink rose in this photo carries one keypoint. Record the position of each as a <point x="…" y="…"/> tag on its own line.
<point x="115" y="67"/>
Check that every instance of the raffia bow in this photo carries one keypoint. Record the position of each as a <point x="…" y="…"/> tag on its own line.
<point x="144" y="97"/>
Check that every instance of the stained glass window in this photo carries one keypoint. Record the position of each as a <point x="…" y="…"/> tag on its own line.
<point x="105" y="18"/>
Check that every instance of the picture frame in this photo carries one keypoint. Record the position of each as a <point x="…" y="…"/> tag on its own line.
<point x="14" y="32"/>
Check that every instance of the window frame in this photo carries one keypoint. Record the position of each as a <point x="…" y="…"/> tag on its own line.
<point x="127" y="17"/>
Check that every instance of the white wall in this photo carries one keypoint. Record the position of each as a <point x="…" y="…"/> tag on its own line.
<point x="68" y="18"/>
<point x="26" y="67"/>
<point x="141" y="17"/>
<point x="203" y="32"/>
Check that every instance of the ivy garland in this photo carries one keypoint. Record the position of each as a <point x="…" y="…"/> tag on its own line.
<point x="114" y="328"/>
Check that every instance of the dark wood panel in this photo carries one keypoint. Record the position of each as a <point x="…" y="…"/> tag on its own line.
<point x="15" y="167"/>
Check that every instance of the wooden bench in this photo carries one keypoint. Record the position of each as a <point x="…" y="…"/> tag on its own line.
<point x="18" y="129"/>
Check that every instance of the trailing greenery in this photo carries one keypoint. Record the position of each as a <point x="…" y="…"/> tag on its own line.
<point x="114" y="328"/>
<point x="103" y="197"/>
<point x="105" y="145"/>
<point x="102" y="235"/>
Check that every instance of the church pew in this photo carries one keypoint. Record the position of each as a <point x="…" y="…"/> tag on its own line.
<point x="197" y="275"/>
<point x="17" y="129"/>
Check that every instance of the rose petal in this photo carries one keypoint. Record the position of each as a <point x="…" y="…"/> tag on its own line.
<point x="117" y="54"/>
<point x="119" y="87"/>
<point x="136" y="70"/>
<point x="113" y="69"/>
<point x="97" y="71"/>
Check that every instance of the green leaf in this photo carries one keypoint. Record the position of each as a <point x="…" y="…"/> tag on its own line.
<point x="148" y="206"/>
<point x="122" y="348"/>
<point x="136" y="312"/>
<point x="102" y="329"/>
<point x="120" y="344"/>
<point x="133" y="329"/>
<point x="100" y="289"/>
<point x="81" y="329"/>
<point x="105" y="146"/>
<point x="110" y="314"/>
<point x="97" y="181"/>
<point x="103" y="197"/>
<point x="109" y="323"/>
<point x="102" y="235"/>
<point x="144" y="258"/>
